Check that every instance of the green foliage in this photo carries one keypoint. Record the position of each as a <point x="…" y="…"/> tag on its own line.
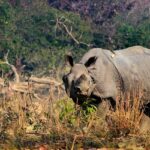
<point x="67" y="111"/>
<point x="4" y="68"/>
<point x="6" y="27"/>
<point x="35" y="31"/>
<point x="125" y="34"/>
<point x="36" y="36"/>
<point x="70" y="114"/>
<point x="129" y="35"/>
<point x="5" y="14"/>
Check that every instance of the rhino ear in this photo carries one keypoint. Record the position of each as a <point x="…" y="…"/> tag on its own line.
<point x="69" y="59"/>
<point x="91" y="61"/>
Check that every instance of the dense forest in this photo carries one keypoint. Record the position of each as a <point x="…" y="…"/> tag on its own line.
<point x="37" y="34"/>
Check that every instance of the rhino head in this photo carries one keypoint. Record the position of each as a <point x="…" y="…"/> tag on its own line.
<point x="79" y="84"/>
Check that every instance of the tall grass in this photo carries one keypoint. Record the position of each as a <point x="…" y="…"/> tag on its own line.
<point x="29" y="121"/>
<point x="23" y="116"/>
<point x="127" y="115"/>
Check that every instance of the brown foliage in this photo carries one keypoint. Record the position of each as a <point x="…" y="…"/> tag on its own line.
<point x="127" y="116"/>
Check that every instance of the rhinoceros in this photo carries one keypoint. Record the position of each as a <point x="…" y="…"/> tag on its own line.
<point x="102" y="74"/>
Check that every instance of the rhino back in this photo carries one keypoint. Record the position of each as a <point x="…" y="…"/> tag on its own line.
<point x="134" y="50"/>
<point x="134" y="67"/>
<point x="132" y="63"/>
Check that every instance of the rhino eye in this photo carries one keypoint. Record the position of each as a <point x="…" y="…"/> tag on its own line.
<point x="81" y="78"/>
<point x="93" y="80"/>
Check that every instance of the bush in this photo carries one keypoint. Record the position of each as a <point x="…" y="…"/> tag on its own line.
<point x="36" y="35"/>
<point x="128" y="35"/>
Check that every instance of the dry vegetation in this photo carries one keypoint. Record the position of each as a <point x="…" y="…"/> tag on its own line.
<point x="127" y="116"/>
<point x="38" y="114"/>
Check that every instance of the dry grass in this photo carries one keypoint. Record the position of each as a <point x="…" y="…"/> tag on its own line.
<point x="28" y="122"/>
<point x="58" y="122"/>
<point x="128" y="114"/>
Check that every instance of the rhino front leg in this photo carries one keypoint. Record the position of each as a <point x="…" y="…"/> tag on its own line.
<point x="145" y="124"/>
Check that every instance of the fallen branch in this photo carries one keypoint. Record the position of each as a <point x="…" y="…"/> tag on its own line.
<point x="45" y="81"/>
<point x="31" y="85"/>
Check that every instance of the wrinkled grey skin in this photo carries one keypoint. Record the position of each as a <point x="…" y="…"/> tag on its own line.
<point x="102" y="74"/>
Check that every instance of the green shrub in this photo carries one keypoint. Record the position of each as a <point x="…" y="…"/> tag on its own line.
<point x="36" y="36"/>
<point x="129" y="35"/>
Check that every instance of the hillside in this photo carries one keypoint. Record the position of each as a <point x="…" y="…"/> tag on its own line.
<point x="39" y="33"/>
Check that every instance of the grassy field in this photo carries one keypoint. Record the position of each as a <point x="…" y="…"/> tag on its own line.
<point x="50" y="120"/>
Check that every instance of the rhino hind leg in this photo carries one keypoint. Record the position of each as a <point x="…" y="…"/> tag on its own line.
<point x="145" y="121"/>
<point x="145" y="124"/>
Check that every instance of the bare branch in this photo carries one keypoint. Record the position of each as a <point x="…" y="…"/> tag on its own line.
<point x="13" y="68"/>
<point x="69" y="32"/>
